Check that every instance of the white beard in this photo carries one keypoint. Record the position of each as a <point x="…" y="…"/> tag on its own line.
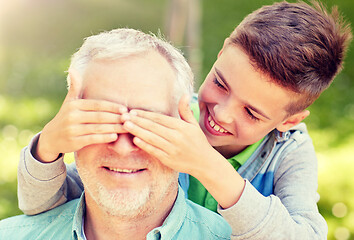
<point x="123" y="203"/>
<point x="128" y="203"/>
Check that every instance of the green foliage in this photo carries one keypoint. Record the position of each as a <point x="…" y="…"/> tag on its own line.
<point x="8" y="200"/>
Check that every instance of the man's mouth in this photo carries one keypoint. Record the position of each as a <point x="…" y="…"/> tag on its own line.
<point x="121" y="170"/>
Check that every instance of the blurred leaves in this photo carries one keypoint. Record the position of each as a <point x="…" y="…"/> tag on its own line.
<point x="38" y="37"/>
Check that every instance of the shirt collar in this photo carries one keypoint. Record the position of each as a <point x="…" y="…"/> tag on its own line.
<point x="169" y="228"/>
<point x="242" y="157"/>
<point x="174" y="221"/>
<point x="78" y="217"/>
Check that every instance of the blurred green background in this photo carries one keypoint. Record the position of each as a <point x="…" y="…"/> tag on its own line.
<point x="38" y="37"/>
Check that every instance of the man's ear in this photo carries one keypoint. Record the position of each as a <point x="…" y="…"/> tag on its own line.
<point x="292" y="121"/>
<point x="227" y="40"/>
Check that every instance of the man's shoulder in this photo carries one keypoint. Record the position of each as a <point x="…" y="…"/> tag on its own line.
<point x="209" y="223"/>
<point x="55" y="220"/>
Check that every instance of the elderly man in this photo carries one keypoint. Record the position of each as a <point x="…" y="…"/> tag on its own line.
<point x="128" y="193"/>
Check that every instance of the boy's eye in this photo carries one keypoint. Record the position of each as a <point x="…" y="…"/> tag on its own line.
<point x="250" y="114"/>
<point x="217" y="83"/>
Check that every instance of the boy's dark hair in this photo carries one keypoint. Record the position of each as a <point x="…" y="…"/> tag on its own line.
<point x="298" y="46"/>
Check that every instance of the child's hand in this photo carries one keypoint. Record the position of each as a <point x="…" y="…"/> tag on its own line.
<point x="79" y="122"/>
<point x="182" y="146"/>
<point x="178" y="143"/>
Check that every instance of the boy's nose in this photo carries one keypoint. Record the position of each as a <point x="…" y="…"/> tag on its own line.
<point x="223" y="113"/>
<point x="124" y="144"/>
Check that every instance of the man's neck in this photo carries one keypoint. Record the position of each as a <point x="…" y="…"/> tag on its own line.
<point x="101" y="225"/>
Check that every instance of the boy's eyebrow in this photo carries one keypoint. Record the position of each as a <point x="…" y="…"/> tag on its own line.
<point x="219" y="74"/>
<point x="260" y="112"/>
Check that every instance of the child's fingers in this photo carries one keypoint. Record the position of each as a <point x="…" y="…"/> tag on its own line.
<point x="86" y="129"/>
<point x="100" y="105"/>
<point x="86" y="140"/>
<point x="81" y="117"/>
<point x="147" y="135"/>
<point x="166" y="132"/>
<point x="162" y="119"/>
<point x="150" y="149"/>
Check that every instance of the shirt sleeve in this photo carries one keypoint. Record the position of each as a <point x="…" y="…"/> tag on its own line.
<point x="291" y="212"/>
<point x="43" y="186"/>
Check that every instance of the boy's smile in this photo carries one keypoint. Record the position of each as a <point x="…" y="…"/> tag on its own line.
<point x="213" y="127"/>
<point x="240" y="105"/>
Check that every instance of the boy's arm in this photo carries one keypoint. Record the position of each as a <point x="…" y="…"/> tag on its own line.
<point x="291" y="213"/>
<point x="42" y="186"/>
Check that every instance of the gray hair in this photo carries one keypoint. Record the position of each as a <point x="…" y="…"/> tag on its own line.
<point x="124" y="42"/>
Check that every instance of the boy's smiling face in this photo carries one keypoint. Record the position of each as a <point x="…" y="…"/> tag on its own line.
<point x="240" y="105"/>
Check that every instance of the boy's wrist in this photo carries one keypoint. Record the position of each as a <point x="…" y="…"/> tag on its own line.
<point x="221" y="180"/>
<point x="40" y="154"/>
<point x="204" y="172"/>
<point x="41" y="171"/>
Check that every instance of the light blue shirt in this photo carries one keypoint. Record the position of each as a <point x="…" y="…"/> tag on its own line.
<point x="186" y="220"/>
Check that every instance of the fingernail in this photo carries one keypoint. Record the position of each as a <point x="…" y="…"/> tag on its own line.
<point x="123" y="109"/>
<point x="128" y="124"/>
<point x="125" y="116"/>
<point x="113" y="136"/>
<point x="133" y="112"/>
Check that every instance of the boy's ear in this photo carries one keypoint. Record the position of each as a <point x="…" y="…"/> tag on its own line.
<point x="292" y="121"/>
<point x="223" y="47"/>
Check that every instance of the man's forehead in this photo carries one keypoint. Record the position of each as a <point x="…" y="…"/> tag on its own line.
<point x="136" y="82"/>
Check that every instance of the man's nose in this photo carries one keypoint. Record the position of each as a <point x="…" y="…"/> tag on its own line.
<point x="124" y="144"/>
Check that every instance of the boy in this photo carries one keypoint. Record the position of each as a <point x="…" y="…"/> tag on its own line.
<point x="271" y="68"/>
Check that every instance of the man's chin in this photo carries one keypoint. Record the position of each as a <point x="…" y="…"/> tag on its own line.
<point x="124" y="203"/>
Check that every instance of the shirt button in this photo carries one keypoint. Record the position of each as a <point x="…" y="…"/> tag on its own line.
<point x="157" y="234"/>
<point x="211" y="201"/>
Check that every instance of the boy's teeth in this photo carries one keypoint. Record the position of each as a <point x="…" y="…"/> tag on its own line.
<point x="214" y="126"/>
<point x="212" y="123"/>
<point x="122" y="170"/>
